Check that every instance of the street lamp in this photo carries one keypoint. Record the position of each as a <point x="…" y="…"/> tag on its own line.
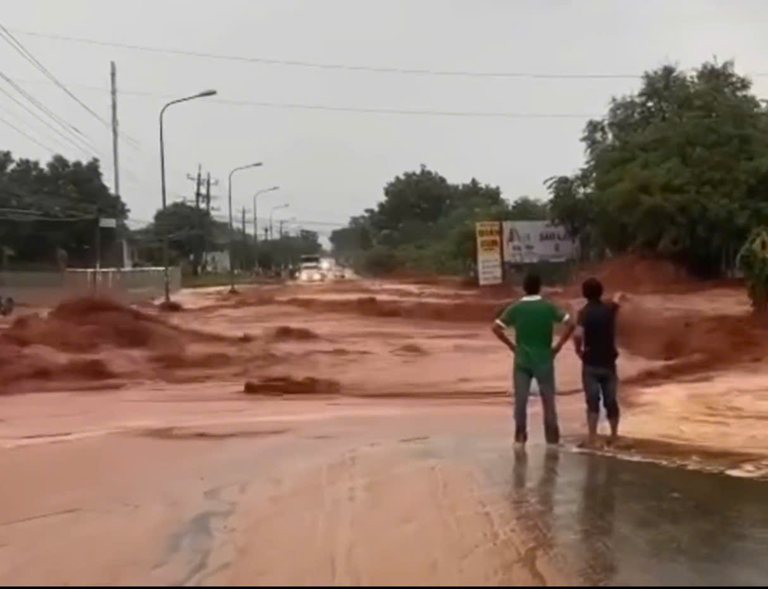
<point x="255" y="218"/>
<point x="166" y="278"/>
<point x="231" y="241"/>
<point x="275" y="208"/>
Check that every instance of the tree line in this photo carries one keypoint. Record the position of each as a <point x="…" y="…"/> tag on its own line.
<point x="49" y="217"/>
<point x="678" y="169"/>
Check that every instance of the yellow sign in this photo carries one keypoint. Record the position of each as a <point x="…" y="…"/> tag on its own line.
<point x="489" y="253"/>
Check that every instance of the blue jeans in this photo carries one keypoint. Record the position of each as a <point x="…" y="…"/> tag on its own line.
<point x="545" y="377"/>
<point x="601" y="382"/>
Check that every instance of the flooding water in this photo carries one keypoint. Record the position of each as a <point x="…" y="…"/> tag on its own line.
<point x="614" y="522"/>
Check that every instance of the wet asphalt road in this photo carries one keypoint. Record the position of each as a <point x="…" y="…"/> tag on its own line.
<point x="380" y="496"/>
<point x="614" y="522"/>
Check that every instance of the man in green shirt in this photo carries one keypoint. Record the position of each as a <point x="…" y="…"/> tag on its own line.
<point x="533" y="319"/>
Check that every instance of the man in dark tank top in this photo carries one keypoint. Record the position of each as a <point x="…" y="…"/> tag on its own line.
<point x="595" y="341"/>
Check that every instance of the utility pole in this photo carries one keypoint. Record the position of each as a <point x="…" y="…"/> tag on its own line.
<point x="243" y="224"/>
<point x="208" y="193"/>
<point x="113" y="79"/>
<point x="198" y="184"/>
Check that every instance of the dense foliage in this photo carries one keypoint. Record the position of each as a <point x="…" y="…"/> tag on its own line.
<point x="753" y="262"/>
<point x="51" y="211"/>
<point x="191" y="231"/>
<point x="679" y="168"/>
<point x="427" y="224"/>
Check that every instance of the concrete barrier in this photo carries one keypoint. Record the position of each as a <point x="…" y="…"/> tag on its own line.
<point x="50" y="288"/>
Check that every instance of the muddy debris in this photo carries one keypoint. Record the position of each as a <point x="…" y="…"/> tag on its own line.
<point x="170" y="306"/>
<point x="477" y="311"/>
<point x="638" y="274"/>
<point x="88" y="324"/>
<point x="410" y="349"/>
<point x="286" y="385"/>
<point x="287" y="333"/>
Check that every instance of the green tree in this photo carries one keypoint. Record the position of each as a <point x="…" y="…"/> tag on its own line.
<point x="188" y="230"/>
<point x="349" y="241"/>
<point x="677" y="168"/>
<point x="427" y="224"/>
<point x="753" y="262"/>
<point x="288" y="249"/>
<point x="53" y="208"/>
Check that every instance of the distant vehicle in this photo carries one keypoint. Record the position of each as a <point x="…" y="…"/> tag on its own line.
<point x="7" y="306"/>
<point x="311" y="269"/>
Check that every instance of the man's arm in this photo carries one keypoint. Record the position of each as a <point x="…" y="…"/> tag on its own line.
<point x="499" y="331"/>
<point x="578" y="341"/>
<point x="502" y="323"/>
<point x="570" y="326"/>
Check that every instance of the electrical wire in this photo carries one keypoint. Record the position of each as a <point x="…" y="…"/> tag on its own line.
<point x="25" y="134"/>
<point x="57" y="119"/>
<point x="370" y="110"/>
<point x="24" y="52"/>
<point x="332" y="66"/>
<point x="46" y="123"/>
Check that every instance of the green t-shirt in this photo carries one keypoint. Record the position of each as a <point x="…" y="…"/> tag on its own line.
<point x="533" y="319"/>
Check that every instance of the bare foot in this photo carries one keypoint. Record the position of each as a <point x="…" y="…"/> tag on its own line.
<point x="589" y="444"/>
<point x="612" y="440"/>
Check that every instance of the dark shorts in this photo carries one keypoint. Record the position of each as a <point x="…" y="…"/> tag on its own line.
<point x="601" y="382"/>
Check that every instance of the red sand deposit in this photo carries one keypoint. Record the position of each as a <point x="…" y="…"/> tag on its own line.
<point x="461" y="311"/>
<point x="291" y="386"/>
<point x="636" y="274"/>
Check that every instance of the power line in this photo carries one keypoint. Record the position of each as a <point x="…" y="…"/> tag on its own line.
<point x="408" y="112"/>
<point x="366" y="110"/>
<point x="21" y="120"/>
<point x="40" y="106"/>
<point x="27" y="55"/>
<point x="25" y="134"/>
<point x="43" y="121"/>
<point x="332" y="66"/>
<point x="50" y="114"/>
<point x="24" y="52"/>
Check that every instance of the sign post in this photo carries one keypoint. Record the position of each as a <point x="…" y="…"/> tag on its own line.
<point x="489" y="253"/>
<point x="531" y="242"/>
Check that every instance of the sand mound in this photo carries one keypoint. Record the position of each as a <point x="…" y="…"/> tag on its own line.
<point x="170" y="306"/>
<point x="695" y="342"/>
<point x="86" y="325"/>
<point x="636" y="274"/>
<point x="290" y="386"/>
<point x="411" y="349"/>
<point x="479" y="311"/>
<point x="288" y="333"/>
<point x="38" y="364"/>
<point x="177" y="360"/>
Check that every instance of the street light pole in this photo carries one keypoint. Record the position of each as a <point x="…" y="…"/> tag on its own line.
<point x="275" y="208"/>
<point x="231" y="241"/>
<point x="166" y="277"/>
<point x="255" y="218"/>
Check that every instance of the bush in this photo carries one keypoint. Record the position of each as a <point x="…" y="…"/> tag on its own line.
<point x="379" y="261"/>
<point x="753" y="262"/>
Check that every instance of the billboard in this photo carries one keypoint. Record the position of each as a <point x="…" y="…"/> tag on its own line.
<point x="488" y="252"/>
<point x="529" y="242"/>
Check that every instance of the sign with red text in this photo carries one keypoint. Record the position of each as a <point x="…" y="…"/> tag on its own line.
<point x="529" y="242"/>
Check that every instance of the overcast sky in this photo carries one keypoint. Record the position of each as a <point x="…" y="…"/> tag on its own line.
<point x="330" y="164"/>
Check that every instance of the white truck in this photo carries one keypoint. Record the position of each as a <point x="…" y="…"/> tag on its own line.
<point x="314" y="268"/>
<point x="311" y="269"/>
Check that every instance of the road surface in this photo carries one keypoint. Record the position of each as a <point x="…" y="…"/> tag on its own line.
<point x="364" y="492"/>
